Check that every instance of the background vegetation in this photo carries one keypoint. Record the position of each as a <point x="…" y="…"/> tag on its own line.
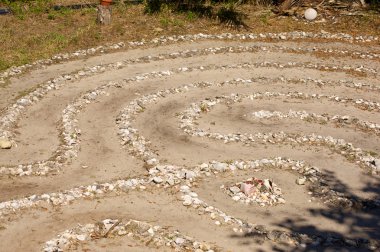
<point x="37" y="30"/>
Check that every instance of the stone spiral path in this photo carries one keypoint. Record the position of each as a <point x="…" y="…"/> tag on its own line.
<point x="201" y="142"/>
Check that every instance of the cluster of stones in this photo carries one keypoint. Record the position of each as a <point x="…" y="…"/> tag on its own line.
<point x="142" y="232"/>
<point x="309" y="173"/>
<point x="255" y="191"/>
<point x="322" y="119"/>
<point x="188" y="125"/>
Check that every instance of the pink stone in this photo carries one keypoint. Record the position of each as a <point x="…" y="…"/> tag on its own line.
<point x="247" y="189"/>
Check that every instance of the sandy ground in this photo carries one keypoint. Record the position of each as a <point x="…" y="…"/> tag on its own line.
<point x="102" y="158"/>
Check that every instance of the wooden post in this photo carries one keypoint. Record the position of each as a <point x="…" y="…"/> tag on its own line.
<point x="104" y="12"/>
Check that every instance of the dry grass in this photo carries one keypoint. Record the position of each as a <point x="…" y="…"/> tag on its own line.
<point x="30" y="35"/>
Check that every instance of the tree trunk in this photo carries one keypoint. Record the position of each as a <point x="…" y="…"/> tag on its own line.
<point x="104" y="15"/>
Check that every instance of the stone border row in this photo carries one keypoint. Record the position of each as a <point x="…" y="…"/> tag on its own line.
<point x="341" y="120"/>
<point x="182" y="38"/>
<point x="142" y="232"/>
<point x="189" y="116"/>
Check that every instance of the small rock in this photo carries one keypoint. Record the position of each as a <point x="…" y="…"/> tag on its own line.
<point x="5" y="144"/>
<point x="213" y="216"/>
<point x="81" y="237"/>
<point x="235" y="189"/>
<point x="170" y="181"/>
<point x="157" y="180"/>
<point x="246" y="188"/>
<point x="281" y="201"/>
<point x="236" y="198"/>
<point x="151" y="231"/>
<point x="220" y="166"/>
<point x="184" y="188"/>
<point x="190" y="174"/>
<point x="179" y="240"/>
<point x="187" y="200"/>
<point x="301" y="181"/>
<point x="377" y="164"/>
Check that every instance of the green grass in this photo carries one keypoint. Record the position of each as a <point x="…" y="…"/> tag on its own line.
<point x="36" y="31"/>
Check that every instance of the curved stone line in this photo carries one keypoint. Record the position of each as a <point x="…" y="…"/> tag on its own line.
<point x="11" y="114"/>
<point x="190" y="198"/>
<point x="317" y="185"/>
<point x="139" y="147"/>
<point x="68" y="196"/>
<point x="169" y="175"/>
<point x="70" y="133"/>
<point x="180" y="38"/>
<point x="315" y="178"/>
<point x="328" y="52"/>
<point x="341" y="120"/>
<point x="156" y="179"/>
<point x="58" y="58"/>
<point x="139" y="144"/>
<point x="340" y="146"/>
<point x="140" y="231"/>
<point x="68" y="149"/>
<point x="97" y="190"/>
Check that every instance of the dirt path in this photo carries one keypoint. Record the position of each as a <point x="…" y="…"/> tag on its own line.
<point x="142" y="148"/>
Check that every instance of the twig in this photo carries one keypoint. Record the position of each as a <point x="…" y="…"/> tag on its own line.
<point x="112" y="228"/>
<point x="320" y="3"/>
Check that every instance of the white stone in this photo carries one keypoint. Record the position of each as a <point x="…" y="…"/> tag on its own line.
<point x="220" y="166"/>
<point x="301" y="181"/>
<point x="235" y="189"/>
<point x="187" y="200"/>
<point x="185" y="188"/>
<point x="190" y="174"/>
<point x="179" y="240"/>
<point x="310" y="14"/>
<point x="81" y="237"/>
<point x="213" y="216"/>
<point x="236" y="198"/>
<point x="157" y="180"/>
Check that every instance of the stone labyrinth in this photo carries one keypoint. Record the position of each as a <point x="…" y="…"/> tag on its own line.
<point x="224" y="142"/>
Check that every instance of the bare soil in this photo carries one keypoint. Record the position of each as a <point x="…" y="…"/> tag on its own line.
<point x="102" y="158"/>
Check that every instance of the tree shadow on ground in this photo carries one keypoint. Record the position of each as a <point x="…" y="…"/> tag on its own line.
<point x="361" y="221"/>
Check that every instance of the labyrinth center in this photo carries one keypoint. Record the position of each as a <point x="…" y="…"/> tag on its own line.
<point x="195" y="143"/>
